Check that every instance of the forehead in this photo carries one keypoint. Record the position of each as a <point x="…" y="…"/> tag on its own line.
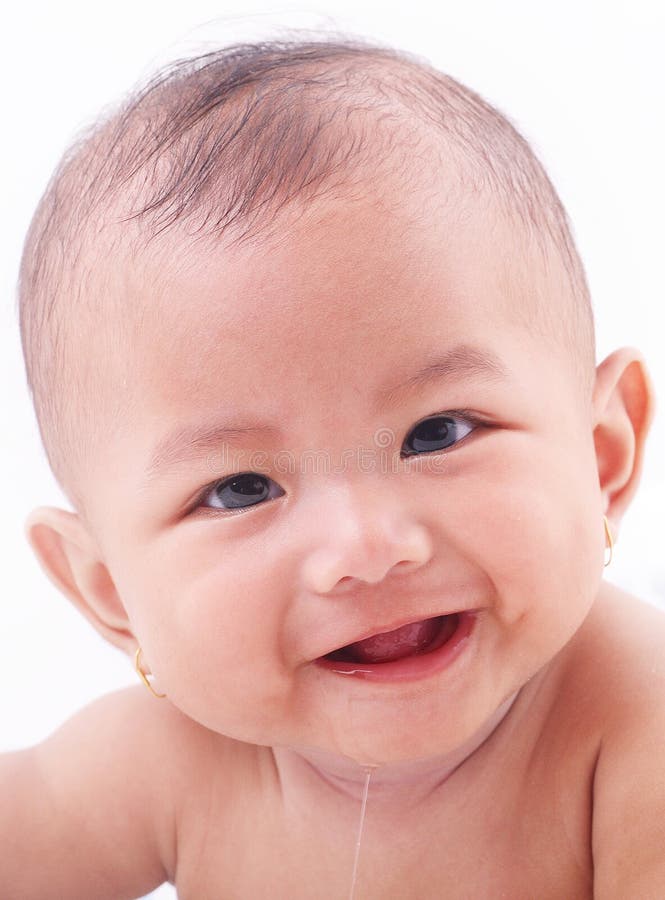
<point x="389" y="268"/>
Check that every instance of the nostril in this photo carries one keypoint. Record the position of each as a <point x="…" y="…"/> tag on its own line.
<point x="346" y="581"/>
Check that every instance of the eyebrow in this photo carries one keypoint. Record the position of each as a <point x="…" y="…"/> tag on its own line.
<point x="194" y="442"/>
<point x="460" y="361"/>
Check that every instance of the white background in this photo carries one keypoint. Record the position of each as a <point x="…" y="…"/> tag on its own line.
<point x="583" y="81"/>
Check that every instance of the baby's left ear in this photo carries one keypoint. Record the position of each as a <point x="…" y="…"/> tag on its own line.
<point x="623" y="408"/>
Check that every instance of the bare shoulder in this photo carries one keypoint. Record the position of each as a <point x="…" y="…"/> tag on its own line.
<point x="620" y="651"/>
<point x="147" y="761"/>
<point x="624" y="644"/>
<point x="203" y="782"/>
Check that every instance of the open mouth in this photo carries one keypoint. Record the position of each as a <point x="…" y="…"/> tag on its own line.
<point x="413" y="639"/>
<point x="416" y="651"/>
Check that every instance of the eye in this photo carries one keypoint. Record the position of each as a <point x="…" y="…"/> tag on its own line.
<point x="437" y="433"/>
<point x="241" y="491"/>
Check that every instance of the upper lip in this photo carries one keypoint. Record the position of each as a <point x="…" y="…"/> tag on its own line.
<point x="397" y="623"/>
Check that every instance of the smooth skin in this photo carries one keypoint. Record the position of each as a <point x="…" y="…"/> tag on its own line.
<point x="504" y="775"/>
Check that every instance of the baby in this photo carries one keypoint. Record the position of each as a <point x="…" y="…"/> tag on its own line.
<point x="311" y="351"/>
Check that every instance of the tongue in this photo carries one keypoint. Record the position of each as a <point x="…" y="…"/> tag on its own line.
<point x="395" y="644"/>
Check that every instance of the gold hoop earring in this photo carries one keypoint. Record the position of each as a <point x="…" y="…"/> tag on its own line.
<point x="142" y="674"/>
<point x="610" y="542"/>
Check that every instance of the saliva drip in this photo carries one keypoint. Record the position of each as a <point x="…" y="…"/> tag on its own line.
<point x="368" y="774"/>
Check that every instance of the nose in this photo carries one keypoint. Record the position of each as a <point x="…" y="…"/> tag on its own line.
<point x="365" y="535"/>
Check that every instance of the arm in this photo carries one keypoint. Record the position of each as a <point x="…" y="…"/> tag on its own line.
<point x="89" y="812"/>
<point x="629" y="806"/>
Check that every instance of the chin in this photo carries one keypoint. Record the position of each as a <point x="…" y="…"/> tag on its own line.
<point x="397" y="743"/>
<point x="425" y="731"/>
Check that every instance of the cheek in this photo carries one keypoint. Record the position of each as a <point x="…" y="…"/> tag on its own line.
<point x="214" y="626"/>
<point x="535" y="528"/>
<point x="224" y="618"/>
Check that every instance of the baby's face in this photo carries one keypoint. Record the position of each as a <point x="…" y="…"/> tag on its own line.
<point x="339" y="534"/>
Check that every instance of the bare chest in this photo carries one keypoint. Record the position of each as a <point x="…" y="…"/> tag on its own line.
<point x="521" y="835"/>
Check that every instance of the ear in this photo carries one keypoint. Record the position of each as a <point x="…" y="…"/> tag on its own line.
<point x="70" y="558"/>
<point x="623" y="408"/>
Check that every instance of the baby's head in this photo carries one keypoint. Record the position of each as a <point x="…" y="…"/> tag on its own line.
<point x="343" y="278"/>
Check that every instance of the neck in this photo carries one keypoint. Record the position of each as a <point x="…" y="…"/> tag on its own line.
<point x="407" y="781"/>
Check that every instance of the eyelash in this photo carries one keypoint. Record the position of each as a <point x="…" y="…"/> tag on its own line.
<point x="467" y="416"/>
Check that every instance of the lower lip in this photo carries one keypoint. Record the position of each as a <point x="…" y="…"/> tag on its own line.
<point x="411" y="668"/>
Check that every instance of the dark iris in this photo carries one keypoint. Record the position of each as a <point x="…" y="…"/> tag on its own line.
<point x="433" y="434"/>
<point x="243" y="490"/>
